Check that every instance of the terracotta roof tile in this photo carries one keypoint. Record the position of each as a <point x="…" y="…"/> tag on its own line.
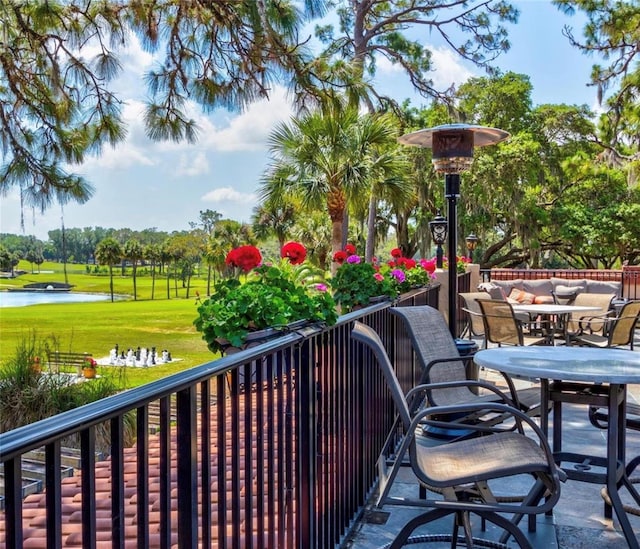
<point x="34" y="511"/>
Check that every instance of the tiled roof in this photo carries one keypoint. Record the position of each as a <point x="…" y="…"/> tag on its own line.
<point x="34" y="505"/>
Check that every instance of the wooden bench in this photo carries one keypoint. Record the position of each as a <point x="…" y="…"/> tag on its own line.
<point x="57" y="360"/>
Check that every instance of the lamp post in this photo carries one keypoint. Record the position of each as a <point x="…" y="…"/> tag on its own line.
<point x="452" y="152"/>
<point x="472" y="242"/>
<point x="438" y="228"/>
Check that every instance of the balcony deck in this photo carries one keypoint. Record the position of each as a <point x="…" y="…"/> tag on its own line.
<point x="578" y="521"/>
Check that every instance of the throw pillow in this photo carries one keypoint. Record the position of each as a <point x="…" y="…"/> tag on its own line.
<point x="520" y="296"/>
<point x="543" y="299"/>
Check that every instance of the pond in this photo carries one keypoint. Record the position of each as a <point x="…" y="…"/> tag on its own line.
<point x="22" y="299"/>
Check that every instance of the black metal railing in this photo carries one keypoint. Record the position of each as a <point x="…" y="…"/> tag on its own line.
<point x="273" y="447"/>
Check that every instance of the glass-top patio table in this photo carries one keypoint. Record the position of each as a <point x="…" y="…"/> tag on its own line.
<point x="581" y="376"/>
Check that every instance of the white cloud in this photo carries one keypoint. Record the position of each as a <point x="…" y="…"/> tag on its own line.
<point x="192" y="165"/>
<point x="447" y="69"/>
<point x="249" y="130"/>
<point x="228" y="194"/>
<point x="384" y="66"/>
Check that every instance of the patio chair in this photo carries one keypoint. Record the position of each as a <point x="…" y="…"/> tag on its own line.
<point x="503" y="327"/>
<point x="440" y="361"/>
<point x="618" y="330"/>
<point x="594" y="320"/>
<point x="600" y="418"/>
<point x="462" y="470"/>
<point x="475" y="325"/>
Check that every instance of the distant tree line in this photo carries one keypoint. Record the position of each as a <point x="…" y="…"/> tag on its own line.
<point x="563" y="191"/>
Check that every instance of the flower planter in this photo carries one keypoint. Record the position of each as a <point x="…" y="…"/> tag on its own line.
<point x="89" y="373"/>
<point x="36" y="366"/>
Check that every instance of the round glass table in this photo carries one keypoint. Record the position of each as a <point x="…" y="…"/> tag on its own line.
<point x="580" y="375"/>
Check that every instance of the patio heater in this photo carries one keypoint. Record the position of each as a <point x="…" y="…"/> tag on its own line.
<point x="438" y="228"/>
<point x="452" y="153"/>
<point x="472" y="242"/>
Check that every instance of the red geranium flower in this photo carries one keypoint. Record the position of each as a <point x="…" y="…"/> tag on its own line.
<point x="429" y="265"/>
<point x="340" y="256"/>
<point x="396" y="252"/>
<point x="350" y="249"/>
<point x="294" y="251"/>
<point x="406" y="262"/>
<point x="244" y="257"/>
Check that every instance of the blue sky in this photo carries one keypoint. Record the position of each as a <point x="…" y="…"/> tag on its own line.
<point x="142" y="184"/>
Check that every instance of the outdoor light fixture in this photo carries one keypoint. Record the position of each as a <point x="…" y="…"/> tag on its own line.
<point x="438" y="228"/>
<point x="472" y="242"/>
<point x="452" y="152"/>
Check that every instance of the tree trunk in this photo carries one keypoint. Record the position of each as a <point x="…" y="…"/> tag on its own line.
<point x="336" y="241"/>
<point x="371" y="229"/>
<point x="111" y="280"/>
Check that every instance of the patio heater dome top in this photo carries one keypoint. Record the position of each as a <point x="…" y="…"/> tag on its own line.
<point x="482" y="135"/>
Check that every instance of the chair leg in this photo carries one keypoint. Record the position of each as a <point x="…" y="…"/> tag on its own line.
<point x="466" y="524"/>
<point x="510" y="528"/>
<point x="408" y="528"/>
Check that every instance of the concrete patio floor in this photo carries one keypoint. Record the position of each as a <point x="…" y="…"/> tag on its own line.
<point x="578" y="521"/>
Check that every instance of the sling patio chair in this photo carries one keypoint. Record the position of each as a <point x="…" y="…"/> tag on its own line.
<point x="465" y="471"/>
<point x="595" y="321"/>
<point x="503" y="327"/>
<point x="618" y="331"/>
<point x="475" y="325"/>
<point x="600" y="418"/>
<point x="440" y="361"/>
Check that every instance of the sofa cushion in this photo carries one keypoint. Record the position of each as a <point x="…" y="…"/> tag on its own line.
<point x="494" y="291"/>
<point x="567" y="291"/>
<point x="539" y="286"/>
<point x="601" y="287"/>
<point x="568" y="282"/>
<point x="520" y="296"/>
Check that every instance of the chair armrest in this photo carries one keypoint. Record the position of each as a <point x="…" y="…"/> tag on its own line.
<point x="426" y="387"/>
<point x="431" y="364"/>
<point x="586" y="323"/>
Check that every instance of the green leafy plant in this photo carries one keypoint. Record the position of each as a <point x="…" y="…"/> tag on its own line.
<point x="356" y="282"/>
<point x="271" y="296"/>
<point x="408" y="273"/>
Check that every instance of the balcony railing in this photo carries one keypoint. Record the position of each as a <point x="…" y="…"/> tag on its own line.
<point x="274" y="446"/>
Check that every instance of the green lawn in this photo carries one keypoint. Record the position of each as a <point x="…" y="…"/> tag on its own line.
<point x="96" y="327"/>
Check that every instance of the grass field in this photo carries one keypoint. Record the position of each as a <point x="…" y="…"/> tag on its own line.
<point x="96" y="327"/>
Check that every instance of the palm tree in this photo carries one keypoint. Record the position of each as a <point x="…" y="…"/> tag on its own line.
<point x="152" y="254"/>
<point x="109" y="252"/>
<point x="277" y="219"/>
<point x="133" y="252"/>
<point x="328" y="159"/>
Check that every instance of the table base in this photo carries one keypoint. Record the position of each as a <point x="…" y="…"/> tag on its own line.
<point x="613" y="397"/>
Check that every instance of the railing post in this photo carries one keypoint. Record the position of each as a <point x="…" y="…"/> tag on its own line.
<point x="304" y="368"/>
<point x="187" y="469"/>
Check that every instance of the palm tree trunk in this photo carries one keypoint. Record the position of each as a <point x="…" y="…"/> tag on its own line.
<point x="336" y="241"/>
<point x="111" y="281"/>
<point x="371" y="229"/>
<point x="153" y="279"/>
<point x="135" y="288"/>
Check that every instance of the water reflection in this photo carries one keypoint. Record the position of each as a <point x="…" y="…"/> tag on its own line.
<point x="22" y="299"/>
